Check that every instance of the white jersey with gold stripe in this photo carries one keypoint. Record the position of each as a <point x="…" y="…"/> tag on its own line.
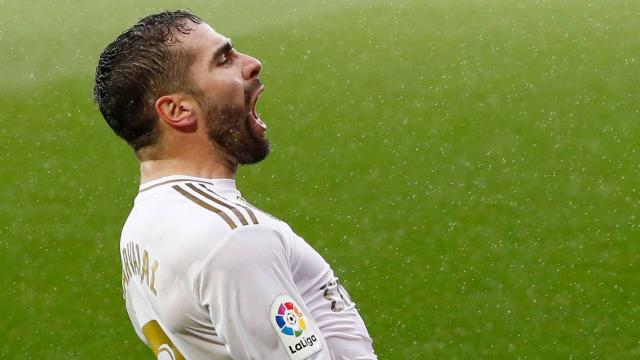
<point x="208" y="276"/>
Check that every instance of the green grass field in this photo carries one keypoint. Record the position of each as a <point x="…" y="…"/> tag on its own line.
<point x="469" y="168"/>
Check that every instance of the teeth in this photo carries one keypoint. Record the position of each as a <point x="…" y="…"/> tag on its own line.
<point x="254" y="112"/>
<point x="253" y="109"/>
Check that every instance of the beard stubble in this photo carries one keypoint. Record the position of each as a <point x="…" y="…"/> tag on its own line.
<point x="229" y="129"/>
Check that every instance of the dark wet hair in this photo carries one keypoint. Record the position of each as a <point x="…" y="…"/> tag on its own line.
<point x="141" y="65"/>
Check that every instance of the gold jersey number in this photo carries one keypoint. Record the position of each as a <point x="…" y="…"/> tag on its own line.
<point x="160" y="343"/>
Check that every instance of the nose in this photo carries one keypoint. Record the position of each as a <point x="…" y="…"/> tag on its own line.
<point x="251" y="68"/>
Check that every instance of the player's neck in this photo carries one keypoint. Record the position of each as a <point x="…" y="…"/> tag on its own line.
<point x="152" y="169"/>
<point x="189" y="154"/>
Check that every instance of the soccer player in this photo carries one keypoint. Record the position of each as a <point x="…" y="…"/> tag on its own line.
<point x="205" y="274"/>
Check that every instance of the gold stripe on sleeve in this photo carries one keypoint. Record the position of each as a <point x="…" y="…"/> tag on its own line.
<point x="205" y="205"/>
<point x="252" y="215"/>
<point x="243" y="220"/>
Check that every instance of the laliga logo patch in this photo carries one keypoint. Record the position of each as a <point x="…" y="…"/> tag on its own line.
<point x="296" y="335"/>
<point x="290" y="319"/>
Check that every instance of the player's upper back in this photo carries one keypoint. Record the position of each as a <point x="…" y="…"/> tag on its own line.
<point x="175" y="224"/>
<point x="176" y="221"/>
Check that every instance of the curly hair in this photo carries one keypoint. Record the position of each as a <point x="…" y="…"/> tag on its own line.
<point x="141" y="65"/>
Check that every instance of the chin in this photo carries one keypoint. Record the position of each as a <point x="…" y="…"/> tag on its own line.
<point x="257" y="154"/>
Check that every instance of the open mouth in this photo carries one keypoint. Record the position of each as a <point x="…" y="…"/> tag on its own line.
<point x="258" y="126"/>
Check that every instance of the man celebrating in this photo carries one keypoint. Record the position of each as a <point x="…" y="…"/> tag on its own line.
<point x="205" y="274"/>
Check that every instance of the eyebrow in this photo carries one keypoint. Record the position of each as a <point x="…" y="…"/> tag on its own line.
<point x="224" y="48"/>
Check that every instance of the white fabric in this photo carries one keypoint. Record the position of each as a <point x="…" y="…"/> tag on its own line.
<point x="216" y="278"/>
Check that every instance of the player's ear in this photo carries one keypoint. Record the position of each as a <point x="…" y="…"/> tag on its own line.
<point x="177" y="111"/>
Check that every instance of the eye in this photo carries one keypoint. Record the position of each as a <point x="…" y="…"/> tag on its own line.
<point x="226" y="58"/>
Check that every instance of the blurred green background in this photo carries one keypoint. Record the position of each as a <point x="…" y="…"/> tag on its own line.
<point x="469" y="168"/>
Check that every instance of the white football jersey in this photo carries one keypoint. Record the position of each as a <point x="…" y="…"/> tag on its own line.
<point x="208" y="276"/>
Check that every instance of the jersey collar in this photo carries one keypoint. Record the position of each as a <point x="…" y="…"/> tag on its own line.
<point x="224" y="187"/>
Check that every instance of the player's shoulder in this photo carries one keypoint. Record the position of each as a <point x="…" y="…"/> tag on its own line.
<point x="185" y="211"/>
<point x="188" y="205"/>
<point x="250" y="246"/>
<point x="180" y="218"/>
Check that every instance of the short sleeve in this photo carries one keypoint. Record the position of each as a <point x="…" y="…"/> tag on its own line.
<point x="247" y="287"/>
